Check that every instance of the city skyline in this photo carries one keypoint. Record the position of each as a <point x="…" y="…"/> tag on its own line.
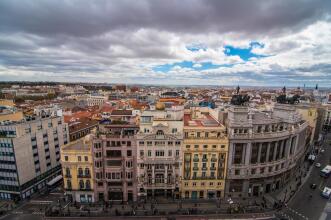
<point x="226" y="43"/>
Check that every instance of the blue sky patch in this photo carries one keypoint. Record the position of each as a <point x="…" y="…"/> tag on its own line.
<point x="244" y="53"/>
<point x="189" y="64"/>
<point x="196" y="47"/>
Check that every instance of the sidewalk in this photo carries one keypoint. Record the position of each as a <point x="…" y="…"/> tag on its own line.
<point x="172" y="207"/>
<point x="285" y="194"/>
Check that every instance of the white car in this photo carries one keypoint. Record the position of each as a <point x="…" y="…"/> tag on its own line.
<point x="322" y="150"/>
<point x="318" y="165"/>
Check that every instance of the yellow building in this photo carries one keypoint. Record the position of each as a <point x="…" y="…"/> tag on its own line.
<point x="309" y="114"/>
<point x="77" y="170"/>
<point x="205" y="152"/>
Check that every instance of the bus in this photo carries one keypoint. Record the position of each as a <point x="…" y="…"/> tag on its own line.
<point x="54" y="183"/>
<point x="326" y="172"/>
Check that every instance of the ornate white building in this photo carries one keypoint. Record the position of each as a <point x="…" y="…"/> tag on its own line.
<point x="159" y="153"/>
<point x="266" y="149"/>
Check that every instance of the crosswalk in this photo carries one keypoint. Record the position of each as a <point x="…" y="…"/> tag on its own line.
<point x="297" y="214"/>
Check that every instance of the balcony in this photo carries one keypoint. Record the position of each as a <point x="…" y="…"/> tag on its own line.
<point x="84" y="176"/>
<point x="67" y="175"/>
<point x="213" y="159"/>
<point x="195" y="168"/>
<point x="204" y="168"/>
<point x="212" y="168"/>
<point x="195" y="159"/>
<point x="204" y="160"/>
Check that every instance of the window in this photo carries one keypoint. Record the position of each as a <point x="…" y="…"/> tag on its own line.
<point x="86" y="158"/>
<point x="174" y="130"/>
<point x="81" y="184"/>
<point x="188" y="146"/>
<point x="149" y="153"/>
<point x="159" y="153"/>
<point x="196" y="146"/>
<point x="205" y="146"/>
<point x="214" y="146"/>
<point x="114" y="153"/>
<point x="129" y="153"/>
<point x="69" y="186"/>
<point x="66" y="158"/>
<point x="141" y="153"/>
<point x="88" y="184"/>
<point x="141" y="143"/>
<point x="80" y="171"/>
<point x="67" y="172"/>
<point x="169" y="153"/>
<point x="79" y="158"/>
<point x="177" y="153"/>
<point x="159" y="132"/>
<point x="87" y="171"/>
<point x="237" y="172"/>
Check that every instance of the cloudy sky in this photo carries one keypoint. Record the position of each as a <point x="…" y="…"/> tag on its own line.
<point x="269" y="42"/>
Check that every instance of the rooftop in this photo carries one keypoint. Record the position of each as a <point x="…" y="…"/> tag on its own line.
<point x="206" y="121"/>
<point x="80" y="144"/>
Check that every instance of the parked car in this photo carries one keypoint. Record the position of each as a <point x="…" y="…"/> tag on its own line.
<point x="326" y="193"/>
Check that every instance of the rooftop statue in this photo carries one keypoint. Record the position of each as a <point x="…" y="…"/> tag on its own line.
<point x="282" y="99"/>
<point x="239" y="99"/>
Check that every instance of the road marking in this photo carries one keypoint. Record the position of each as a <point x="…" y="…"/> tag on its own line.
<point x="41" y="202"/>
<point x="297" y="213"/>
<point x="37" y="213"/>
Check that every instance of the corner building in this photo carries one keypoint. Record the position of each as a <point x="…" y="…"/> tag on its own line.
<point x="266" y="149"/>
<point x="205" y="152"/>
<point x="30" y="154"/>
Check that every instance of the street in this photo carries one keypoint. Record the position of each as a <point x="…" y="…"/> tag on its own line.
<point x="302" y="206"/>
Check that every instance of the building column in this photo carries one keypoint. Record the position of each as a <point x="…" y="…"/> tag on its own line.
<point x="153" y="174"/>
<point x="268" y="151"/>
<point x="288" y="147"/>
<point x="281" y="149"/>
<point x="165" y="174"/>
<point x="259" y="153"/>
<point x="248" y="152"/>
<point x="275" y="150"/>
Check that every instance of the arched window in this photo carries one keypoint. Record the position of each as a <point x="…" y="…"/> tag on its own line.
<point x="81" y="184"/>
<point x="87" y="171"/>
<point x="88" y="184"/>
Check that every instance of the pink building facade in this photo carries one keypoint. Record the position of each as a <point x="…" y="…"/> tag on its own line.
<point x="114" y="155"/>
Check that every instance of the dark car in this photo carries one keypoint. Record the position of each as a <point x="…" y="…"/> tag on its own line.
<point x="313" y="186"/>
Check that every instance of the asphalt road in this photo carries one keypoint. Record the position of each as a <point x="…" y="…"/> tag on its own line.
<point x="303" y="207"/>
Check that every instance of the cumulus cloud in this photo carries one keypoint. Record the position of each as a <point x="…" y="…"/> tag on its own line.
<point x="122" y="41"/>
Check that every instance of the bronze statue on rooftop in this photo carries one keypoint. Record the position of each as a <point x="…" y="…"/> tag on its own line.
<point x="282" y="99"/>
<point x="239" y="99"/>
